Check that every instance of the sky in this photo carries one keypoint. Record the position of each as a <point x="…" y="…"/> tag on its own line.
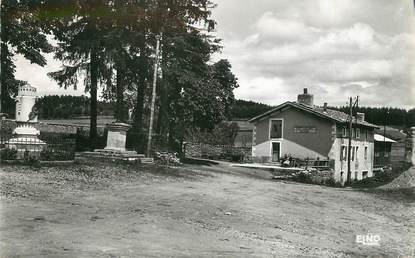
<point x="335" y="48"/>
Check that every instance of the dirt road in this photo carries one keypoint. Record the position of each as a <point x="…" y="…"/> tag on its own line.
<point x="196" y="211"/>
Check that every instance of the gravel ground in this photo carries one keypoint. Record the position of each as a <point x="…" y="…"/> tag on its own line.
<point x="104" y="210"/>
<point x="406" y="180"/>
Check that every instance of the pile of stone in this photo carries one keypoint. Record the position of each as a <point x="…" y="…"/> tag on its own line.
<point x="167" y="158"/>
<point x="404" y="181"/>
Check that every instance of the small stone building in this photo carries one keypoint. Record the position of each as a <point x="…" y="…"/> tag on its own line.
<point x="399" y="147"/>
<point x="383" y="151"/>
<point x="244" y="136"/>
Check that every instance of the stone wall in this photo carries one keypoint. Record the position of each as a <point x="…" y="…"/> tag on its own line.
<point x="207" y="151"/>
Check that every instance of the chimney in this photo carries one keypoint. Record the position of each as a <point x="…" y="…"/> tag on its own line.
<point x="306" y="99"/>
<point x="360" y="116"/>
<point x="325" y="106"/>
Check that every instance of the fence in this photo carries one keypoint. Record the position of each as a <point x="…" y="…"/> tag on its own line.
<point x="49" y="146"/>
<point x="62" y="141"/>
<point x="138" y="142"/>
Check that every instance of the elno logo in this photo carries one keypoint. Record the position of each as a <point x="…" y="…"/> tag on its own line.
<point x="368" y="239"/>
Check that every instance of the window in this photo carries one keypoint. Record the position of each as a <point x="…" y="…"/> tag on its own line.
<point x="365" y="152"/>
<point x="343" y="153"/>
<point x="366" y="135"/>
<point x="344" y="132"/>
<point x="357" y="152"/>
<point x="357" y="133"/>
<point x="364" y="174"/>
<point x="276" y="129"/>
<point x="353" y="149"/>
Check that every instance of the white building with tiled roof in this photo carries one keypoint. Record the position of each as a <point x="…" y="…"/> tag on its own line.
<point x="305" y="132"/>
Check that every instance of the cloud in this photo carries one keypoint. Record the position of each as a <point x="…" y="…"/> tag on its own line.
<point x="335" y="48"/>
<point x="37" y="76"/>
<point x="270" y="26"/>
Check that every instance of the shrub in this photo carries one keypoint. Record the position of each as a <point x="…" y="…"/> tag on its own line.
<point x="31" y="159"/>
<point x="8" y="154"/>
<point x="232" y="154"/>
<point x="51" y="155"/>
<point x="303" y="177"/>
<point x="378" y="179"/>
<point x="332" y="183"/>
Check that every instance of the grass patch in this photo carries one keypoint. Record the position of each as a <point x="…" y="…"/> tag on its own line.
<point x="202" y="162"/>
<point x="382" y="178"/>
<point x="308" y="178"/>
<point x="401" y="194"/>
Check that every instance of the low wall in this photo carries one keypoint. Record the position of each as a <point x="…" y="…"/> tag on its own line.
<point x="217" y="152"/>
<point x="10" y="125"/>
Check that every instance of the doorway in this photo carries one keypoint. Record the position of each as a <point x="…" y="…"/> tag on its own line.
<point x="276" y="151"/>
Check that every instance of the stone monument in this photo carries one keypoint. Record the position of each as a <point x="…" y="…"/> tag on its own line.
<point x="115" y="148"/>
<point x="25" y="135"/>
<point x="117" y="136"/>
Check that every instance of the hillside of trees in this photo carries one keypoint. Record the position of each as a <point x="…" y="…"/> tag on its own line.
<point x="64" y="107"/>
<point x="243" y="109"/>
<point x="396" y="117"/>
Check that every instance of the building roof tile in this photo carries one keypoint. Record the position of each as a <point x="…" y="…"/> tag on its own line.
<point x="327" y="113"/>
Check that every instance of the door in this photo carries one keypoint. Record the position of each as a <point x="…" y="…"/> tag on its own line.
<point x="276" y="151"/>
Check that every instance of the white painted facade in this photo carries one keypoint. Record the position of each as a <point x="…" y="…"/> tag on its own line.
<point x="361" y="163"/>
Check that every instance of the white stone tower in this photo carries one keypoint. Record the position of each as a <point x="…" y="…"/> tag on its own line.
<point x="25" y="101"/>
<point x="25" y="136"/>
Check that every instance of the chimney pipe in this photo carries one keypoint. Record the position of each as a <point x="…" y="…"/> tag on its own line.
<point x="306" y="99"/>
<point x="360" y="116"/>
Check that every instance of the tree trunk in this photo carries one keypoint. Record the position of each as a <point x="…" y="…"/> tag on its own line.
<point x="138" y="114"/>
<point x="163" y="115"/>
<point x="120" y="115"/>
<point x="93" y="91"/>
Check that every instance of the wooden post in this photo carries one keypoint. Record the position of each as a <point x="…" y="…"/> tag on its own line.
<point x="1" y="96"/>
<point x="153" y="98"/>
<point x="349" y="149"/>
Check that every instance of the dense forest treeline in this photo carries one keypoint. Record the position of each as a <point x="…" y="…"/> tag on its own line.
<point x="62" y="107"/>
<point x="397" y="117"/>
<point x="243" y="109"/>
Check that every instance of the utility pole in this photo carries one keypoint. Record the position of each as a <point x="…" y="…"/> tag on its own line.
<point x="153" y="98"/>
<point x="1" y="96"/>
<point x="384" y="139"/>
<point x="349" y="149"/>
